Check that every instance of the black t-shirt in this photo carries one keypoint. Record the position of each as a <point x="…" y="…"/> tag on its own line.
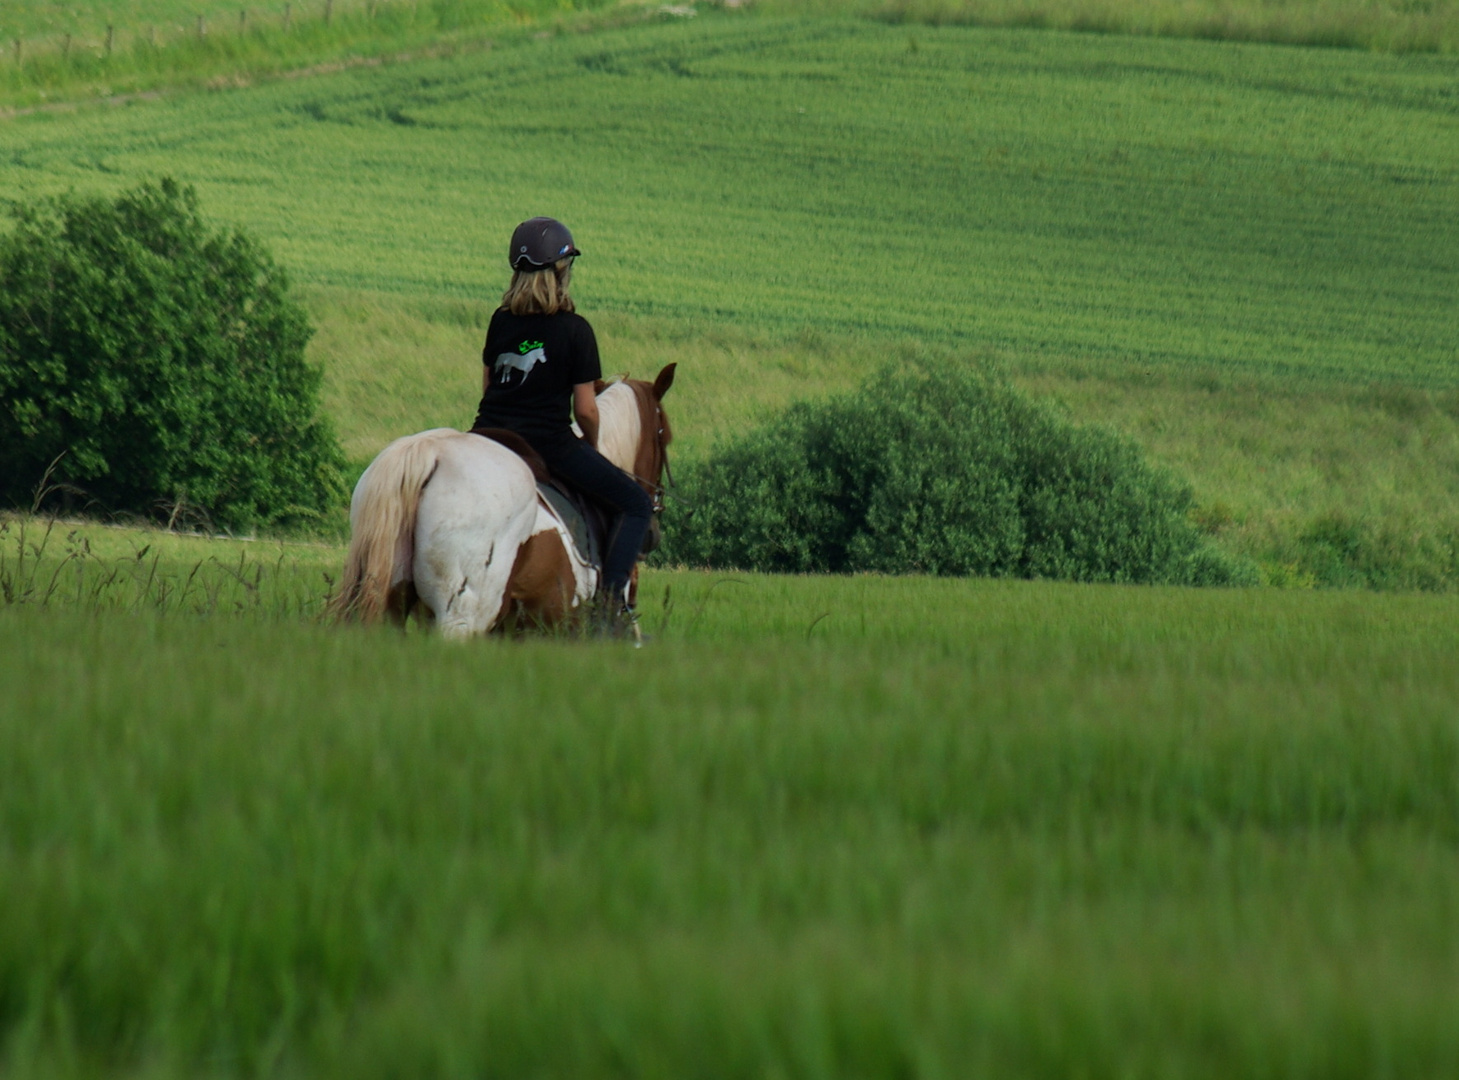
<point x="535" y="361"/>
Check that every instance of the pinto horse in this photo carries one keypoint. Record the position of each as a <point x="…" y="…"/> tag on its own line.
<point x="450" y="525"/>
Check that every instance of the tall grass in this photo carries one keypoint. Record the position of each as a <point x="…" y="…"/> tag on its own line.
<point x="824" y="826"/>
<point x="50" y="564"/>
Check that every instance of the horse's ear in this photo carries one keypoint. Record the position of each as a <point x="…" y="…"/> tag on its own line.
<point x="664" y="381"/>
<point x="598" y="387"/>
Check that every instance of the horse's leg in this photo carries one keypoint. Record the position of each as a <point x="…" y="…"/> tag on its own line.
<point x="400" y="602"/>
<point x="540" y="590"/>
<point x="474" y="597"/>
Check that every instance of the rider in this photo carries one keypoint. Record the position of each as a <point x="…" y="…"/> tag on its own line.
<point x="540" y="358"/>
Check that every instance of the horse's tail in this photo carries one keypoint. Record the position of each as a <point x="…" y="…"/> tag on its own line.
<point x="382" y="524"/>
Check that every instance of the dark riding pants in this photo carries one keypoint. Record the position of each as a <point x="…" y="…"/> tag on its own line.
<point x="632" y="509"/>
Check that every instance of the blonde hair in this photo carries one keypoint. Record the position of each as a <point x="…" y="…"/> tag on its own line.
<point x="540" y="292"/>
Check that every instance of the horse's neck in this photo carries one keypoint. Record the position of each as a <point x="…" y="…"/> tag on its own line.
<point x="618" y="426"/>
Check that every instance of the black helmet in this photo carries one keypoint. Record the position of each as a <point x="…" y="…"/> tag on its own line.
<point x="539" y="243"/>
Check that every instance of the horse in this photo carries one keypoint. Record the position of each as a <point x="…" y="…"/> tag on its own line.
<point x="450" y="525"/>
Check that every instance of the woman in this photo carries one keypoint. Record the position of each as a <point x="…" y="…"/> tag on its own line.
<point x="539" y="362"/>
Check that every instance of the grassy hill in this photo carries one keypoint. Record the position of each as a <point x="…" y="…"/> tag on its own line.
<point x="1244" y="255"/>
<point x="92" y="48"/>
<point x="1389" y="25"/>
<point x="1172" y="203"/>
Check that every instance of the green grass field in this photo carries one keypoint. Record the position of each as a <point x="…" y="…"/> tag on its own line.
<point x="1173" y="209"/>
<point x="1389" y="25"/>
<point x="63" y="53"/>
<point x="83" y="18"/>
<point x="821" y="827"/>
<point x="95" y="48"/>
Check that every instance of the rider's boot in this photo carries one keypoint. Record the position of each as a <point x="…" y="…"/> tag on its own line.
<point x="613" y="617"/>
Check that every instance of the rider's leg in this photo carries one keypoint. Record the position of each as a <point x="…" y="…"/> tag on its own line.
<point x="602" y="480"/>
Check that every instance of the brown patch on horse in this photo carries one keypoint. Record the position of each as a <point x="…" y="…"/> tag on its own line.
<point x="540" y="588"/>
<point x="519" y="446"/>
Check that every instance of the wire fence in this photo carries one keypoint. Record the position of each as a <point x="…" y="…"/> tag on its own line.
<point x="109" y="39"/>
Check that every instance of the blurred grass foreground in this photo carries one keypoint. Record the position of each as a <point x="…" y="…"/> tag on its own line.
<point x="824" y="826"/>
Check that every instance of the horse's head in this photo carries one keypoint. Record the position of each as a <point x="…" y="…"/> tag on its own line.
<point x="651" y="462"/>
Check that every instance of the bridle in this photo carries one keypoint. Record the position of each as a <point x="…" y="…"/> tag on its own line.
<point x="657" y="489"/>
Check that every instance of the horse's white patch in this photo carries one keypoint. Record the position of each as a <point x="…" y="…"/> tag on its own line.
<point x="479" y="507"/>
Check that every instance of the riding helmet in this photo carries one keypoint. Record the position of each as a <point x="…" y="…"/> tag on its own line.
<point x="539" y="243"/>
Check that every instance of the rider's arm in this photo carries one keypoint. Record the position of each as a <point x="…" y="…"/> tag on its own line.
<point x="585" y="408"/>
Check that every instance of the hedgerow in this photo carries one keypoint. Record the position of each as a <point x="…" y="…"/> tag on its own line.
<point x="941" y="470"/>
<point x="151" y="363"/>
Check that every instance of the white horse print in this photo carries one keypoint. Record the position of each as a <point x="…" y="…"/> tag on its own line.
<point x="525" y="362"/>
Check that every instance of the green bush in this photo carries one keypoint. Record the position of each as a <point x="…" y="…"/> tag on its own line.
<point x="158" y="364"/>
<point x="931" y="469"/>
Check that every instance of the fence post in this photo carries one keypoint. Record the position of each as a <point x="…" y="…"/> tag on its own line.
<point x="17" y="52"/>
<point x="242" y="21"/>
<point x="110" y="37"/>
<point x="288" y="16"/>
<point x="202" y="27"/>
<point x="66" y="47"/>
<point x="152" y="36"/>
<point x="328" y="11"/>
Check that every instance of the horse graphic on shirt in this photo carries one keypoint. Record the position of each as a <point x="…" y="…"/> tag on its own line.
<point x="528" y="356"/>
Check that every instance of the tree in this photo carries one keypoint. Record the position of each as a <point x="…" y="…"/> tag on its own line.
<point x="155" y="363"/>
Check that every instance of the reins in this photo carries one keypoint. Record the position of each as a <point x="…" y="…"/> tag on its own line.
<point x="657" y="489"/>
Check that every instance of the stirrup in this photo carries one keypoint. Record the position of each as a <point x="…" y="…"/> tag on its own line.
<point x="612" y="618"/>
<point x="634" y="630"/>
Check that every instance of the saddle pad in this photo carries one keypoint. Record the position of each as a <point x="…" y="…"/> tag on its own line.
<point x="583" y="535"/>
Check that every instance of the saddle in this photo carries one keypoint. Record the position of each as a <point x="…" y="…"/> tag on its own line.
<point x="586" y="521"/>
